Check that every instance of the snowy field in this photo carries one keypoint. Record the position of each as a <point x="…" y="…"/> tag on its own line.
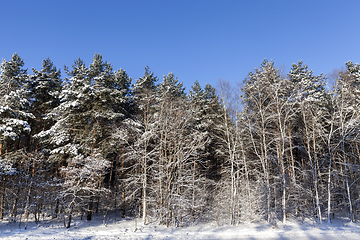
<point x="125" y="229"/>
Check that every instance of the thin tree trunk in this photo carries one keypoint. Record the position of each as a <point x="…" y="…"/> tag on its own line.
<point x="329" y="174"/>
<point x="2" y="199"/>
<point x="313" y="168"/>
<point x="56" y="208"/>
<point x="316" y="174"/>
<point x="69" y="220"/>
<point x="144" y="189"/>
<point x="293" y="174"/>
<point x="265" y="159"/>
<point x="347" y="183"/>
<point x="90" y="208"/>
<point x="249" y="200"/>
<point x="193" y="194"/>
<point x="279" y="148"/>
<point x="232" y="175"/>
<point x="27" y="205"/>
<point x="283" y="188"/>
<point x="14" y="208"/>
<point x="329" y="188"/>
<point x="144" y="161"/>
<point x="98" y="195"/>
<point x="123" y="203"/>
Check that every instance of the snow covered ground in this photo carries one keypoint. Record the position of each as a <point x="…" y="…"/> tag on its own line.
<point x="124" y="229"/>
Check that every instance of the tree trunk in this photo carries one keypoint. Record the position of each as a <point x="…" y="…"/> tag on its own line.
<point x="123" y="202"/>
<point x="144" y="190"/>
<point x="316" y="174"/>
<point x="280" y="148"/>
<point x="27" y="205"/>
<point x="293" y="174"/>
<point x="262" y="155"/>
<point x="69" y="220"/>
<point x="193" y="193"/>
<point x="14" y="208"/>
<point x="249" y="200"/>
<point x="265" y="159"/>
<point x="90" y="208"/>
<point x="2" y="199"/>
<point x="347" y="183"/>
<point x="329" y="188"/>
<point x="312" y="163"/>
<point x="56" y="208"/>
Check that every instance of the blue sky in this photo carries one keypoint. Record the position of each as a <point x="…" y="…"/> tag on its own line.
<point x="203" y="40"/>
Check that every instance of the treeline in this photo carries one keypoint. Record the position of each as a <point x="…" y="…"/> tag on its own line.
<point x="277" y="147"/>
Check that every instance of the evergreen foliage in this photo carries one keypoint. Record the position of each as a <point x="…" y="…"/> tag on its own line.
<point x="279" y="147"/>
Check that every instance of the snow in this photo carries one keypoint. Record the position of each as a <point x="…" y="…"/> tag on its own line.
<point x="118" y="228"/>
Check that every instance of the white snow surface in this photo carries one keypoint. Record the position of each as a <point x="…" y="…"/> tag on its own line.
<point x="118" y="228"/>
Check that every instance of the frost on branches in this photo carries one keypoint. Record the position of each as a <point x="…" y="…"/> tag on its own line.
<point x="82" y="184"/>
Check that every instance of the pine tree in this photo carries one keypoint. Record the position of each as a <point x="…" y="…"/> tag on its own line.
<point x="93" y="101"/>
<point x="170" y="86"/>
<point x="45" y="87"/>
<point x="14" y="104"/>
<point x="14" y="119"/>
<point x="207" y="118"/>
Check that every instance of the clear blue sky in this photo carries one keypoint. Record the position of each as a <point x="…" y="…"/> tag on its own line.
<point x="204" y="40"/>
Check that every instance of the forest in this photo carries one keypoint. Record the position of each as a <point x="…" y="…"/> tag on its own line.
<point x="275" y="147"/>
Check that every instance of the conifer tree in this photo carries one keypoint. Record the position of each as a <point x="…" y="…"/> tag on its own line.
<point x="207" y="118"/>
<point x="14" y="121"/>
<point x="14" y="104"/>
<point x="170" y="86"/>
<point x="45" y="88"/>
<point x="93" y="101"/>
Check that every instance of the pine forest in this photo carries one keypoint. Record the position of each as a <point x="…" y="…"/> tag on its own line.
<point x="275" y="147"/>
